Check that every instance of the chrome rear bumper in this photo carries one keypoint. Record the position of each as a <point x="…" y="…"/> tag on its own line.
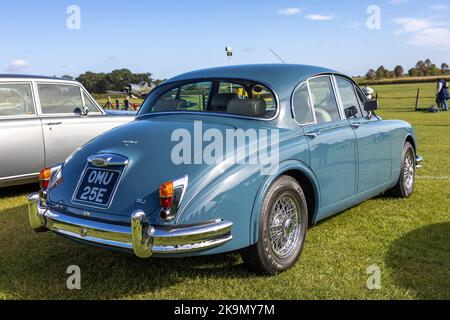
<point x="419" y="162"/>
<point x="140" y="237"/>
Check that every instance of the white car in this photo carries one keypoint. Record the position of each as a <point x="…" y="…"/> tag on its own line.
<point x="42" y="121"/>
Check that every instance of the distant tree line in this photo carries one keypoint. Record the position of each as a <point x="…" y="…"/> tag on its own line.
<point x="422" y="69"/>
<point x="116" y="80"/>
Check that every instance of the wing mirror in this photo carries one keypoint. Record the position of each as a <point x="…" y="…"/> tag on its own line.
<point x="351" y="112"/>
<point x="82" y="113"/>
<point x="370" y="107"/>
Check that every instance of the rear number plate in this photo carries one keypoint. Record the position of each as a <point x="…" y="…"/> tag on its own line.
<point x="97" y="187"/>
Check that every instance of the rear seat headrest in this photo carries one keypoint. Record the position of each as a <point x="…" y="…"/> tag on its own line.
<point x="220" y="101"/>
<point x="169" y="105"/>
<point x="247" y="107"/>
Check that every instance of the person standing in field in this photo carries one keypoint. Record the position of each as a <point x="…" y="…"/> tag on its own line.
<point x="369" y="92"/>
<point x="442" y="94"/>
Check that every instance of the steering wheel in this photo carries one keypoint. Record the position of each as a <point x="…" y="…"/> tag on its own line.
<point x="327" y="98"/>
<point x="67" y="102"/>
<point x="323" y="114"/>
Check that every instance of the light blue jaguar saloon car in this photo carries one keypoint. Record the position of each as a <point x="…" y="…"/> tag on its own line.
<point x="238" y="158"/>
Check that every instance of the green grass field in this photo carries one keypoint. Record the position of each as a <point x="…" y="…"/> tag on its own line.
<point x="408" y="239"/>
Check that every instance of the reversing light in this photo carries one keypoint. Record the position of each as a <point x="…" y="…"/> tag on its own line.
<point x="170" y="195"/>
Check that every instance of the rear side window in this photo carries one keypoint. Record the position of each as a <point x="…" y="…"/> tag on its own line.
<point x="59" y="98"/>
<point x="324" y="100"/>
<point x="302" y="105"/>
<point x="190" y="97"/>
<point x="196" y="95"/>
<point x="261" y="92"/>
<point x="242" y="98"/>
<point x="16" y="100"/>
<point x="233" y="88"/>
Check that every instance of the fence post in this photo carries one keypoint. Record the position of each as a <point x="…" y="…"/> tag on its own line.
<point x="417" y="99"/>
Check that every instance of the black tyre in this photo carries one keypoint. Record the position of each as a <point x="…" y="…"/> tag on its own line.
<point x="282" y="228"/>
<point x="405" y="185"/>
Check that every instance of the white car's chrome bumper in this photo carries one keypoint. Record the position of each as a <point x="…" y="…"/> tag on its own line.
<point x="140" y="237"/>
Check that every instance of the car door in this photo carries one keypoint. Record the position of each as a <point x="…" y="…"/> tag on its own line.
<point x="21" y="142"/>
<point x="332" y="144"/>
<point x="374" y="143"/>
<point x="64" y="127"/>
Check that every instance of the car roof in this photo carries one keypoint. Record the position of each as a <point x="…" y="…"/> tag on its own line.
<point x="34" y="77"/>
<point x="278" y="76"/>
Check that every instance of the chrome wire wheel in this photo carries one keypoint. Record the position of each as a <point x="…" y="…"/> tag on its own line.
<point x="284" y="226"/>
<point x="409" y="171"/>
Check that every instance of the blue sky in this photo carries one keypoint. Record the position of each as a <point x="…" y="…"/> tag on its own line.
<point x="169" y="37"/>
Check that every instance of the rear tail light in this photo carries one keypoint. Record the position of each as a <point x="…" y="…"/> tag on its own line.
<point x="170" y="195"/>
<point x="44" y="178"/>
<point x="166" y="195"/>
<point x="50" y="177"/>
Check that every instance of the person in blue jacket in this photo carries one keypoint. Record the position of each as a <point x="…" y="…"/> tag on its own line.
<point x="442" y="94"/>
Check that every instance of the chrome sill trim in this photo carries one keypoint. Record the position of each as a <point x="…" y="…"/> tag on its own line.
<point x="140" y="236"/>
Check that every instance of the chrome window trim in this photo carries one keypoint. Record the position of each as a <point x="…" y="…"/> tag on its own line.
<point x="33" y="98"/>
<point x="313" y="108"/>
<point x="338" y="97"/>
<point x="221" y="114"/>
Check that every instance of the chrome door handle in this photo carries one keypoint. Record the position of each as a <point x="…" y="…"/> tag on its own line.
<point x="54" y="123"/>
<point x="313" y="134"/>
<point x="355" y="125"/>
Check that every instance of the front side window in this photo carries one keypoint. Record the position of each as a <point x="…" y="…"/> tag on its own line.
<point x="89" y="104"/>
<point x="302" y="105"/>
<point x="16" y="100"/>
<point x="324" y="100"/>
<point x="60" y="98"/>
<point x="362" y="99"/>
<point x="243" y="98"/>
<point x="349" y="99"/>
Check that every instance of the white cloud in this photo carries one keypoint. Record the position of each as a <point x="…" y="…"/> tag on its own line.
<point x="412" y="25"/>
<point x="424" y="33"/>
<point x="432" y="37"/>
<point x="353" y="25"/>
<point x="398" y="1"/>
<point x="319" y="17"/>
<point x="289" y="11"/>
<point x="18" y="65"/>
<point x="438" y="7"/>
